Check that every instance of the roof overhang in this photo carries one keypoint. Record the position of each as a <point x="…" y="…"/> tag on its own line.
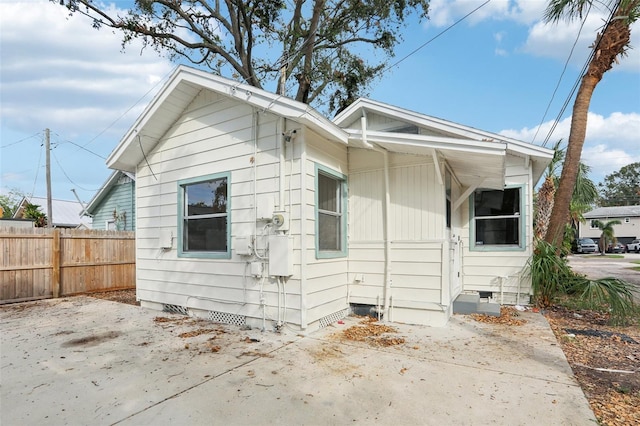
<point x="472" y="164"/>
<point x="462" y="138"/>
<point x="179" y="91"/>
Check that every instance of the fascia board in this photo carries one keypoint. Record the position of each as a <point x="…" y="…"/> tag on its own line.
<point x="431" y="142"/>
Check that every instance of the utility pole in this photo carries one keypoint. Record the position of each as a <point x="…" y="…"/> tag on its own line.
<point x="47" y="142"/>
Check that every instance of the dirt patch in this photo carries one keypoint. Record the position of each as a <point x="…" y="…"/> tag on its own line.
<point x="121" y="296"/>
<point x="93" y="340"/>
<point x="605" y="361"/>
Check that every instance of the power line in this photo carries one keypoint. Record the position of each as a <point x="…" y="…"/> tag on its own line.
<point x="21" y="140"/>
<point x="37" y="170"/>
<point x="437" y="35"/>
<point x="566" y="63"/>
<point x="55" y="157"/>
<point x="578" y="80"/>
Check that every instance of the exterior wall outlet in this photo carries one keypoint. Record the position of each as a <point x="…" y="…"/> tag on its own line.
<point x="165" y="240"/>
<point x="256" y="269"/>
<point x="242" y="245"/>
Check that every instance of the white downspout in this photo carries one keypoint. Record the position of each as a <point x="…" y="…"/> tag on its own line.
<point x="386" y="218"/>
<point x="387" y="238"/>
<point x="303" y="229"/>
<point x="281" y="125"/>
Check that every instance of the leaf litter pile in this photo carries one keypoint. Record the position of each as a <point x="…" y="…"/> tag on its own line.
<point x="605" y="360"/>
<point x="508" y="316"/>
<point x="370" y="331"/>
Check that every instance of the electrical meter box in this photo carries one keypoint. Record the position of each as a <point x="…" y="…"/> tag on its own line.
<point x="242" y="245"/>
<point x="280" y="255"/>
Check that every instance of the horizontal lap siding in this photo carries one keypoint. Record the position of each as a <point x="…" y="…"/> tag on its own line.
<point x="496" y="270"/>
<point x="326" y="279"/>
<point x="214" y="135"/>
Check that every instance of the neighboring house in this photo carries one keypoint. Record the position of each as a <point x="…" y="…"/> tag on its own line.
<point x="113" y="206"/>
<point x="628" y="230"/>
<point x="252" y="207"/>
<point x="66" y="214"/>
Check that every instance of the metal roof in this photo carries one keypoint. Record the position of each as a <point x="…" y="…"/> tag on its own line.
<point x="616" y="211"/>
<point x="66" y="214"/>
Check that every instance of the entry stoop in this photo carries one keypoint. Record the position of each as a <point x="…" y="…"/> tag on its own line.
<point x="470" y="304"/>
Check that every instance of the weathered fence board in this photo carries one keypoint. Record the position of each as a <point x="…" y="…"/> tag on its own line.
<point x="37" y="263"/>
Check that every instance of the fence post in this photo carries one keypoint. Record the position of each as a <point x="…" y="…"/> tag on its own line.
<point x="55" y="263"/>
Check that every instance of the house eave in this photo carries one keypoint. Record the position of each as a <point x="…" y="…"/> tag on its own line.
<point x="183" y="85"/>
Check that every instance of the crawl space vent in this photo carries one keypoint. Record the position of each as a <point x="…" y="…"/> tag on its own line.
<point x="225" y="318"/>
<point x="175" y="309"/>
<point x="336" y="316"/>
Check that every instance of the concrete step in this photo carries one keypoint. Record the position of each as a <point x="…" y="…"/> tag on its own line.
<point x="470" y="304"/>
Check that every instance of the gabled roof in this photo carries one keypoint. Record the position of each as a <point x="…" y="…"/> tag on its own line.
<point x="182" y="87"/>
<point x="617" y="211"/>
<point x="473" y="154"/>
<point x="111" y="181"/>
<point x="66" y="214"/>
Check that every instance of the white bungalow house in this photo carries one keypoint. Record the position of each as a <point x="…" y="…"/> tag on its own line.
<point x="254" y="209"/>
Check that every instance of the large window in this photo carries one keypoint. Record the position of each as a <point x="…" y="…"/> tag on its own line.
<point x="497" y="218"/>
<point x="330" y="213"/>
<point x="204" y="216"/>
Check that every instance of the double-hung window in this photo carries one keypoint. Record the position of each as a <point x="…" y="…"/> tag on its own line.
<point x="204" y="217"/>
<point x="497" y="219"/>
<point x="331" y="213"/>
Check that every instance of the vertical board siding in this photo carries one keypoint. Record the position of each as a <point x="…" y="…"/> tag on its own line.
<point x="89" y="261"/>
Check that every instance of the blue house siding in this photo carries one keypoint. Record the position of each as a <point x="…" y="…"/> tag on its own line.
<point x="117" y="205"/>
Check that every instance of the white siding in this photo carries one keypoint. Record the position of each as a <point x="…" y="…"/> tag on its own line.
<point x="214" y="135"/>
<point x="417" y="221"/>
<point x="326" y="279"/>
<point x="500" y="271"/>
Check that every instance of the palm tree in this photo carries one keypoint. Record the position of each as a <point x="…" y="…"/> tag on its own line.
<point x="612" y="42"/>
<point x="607" y="236"/>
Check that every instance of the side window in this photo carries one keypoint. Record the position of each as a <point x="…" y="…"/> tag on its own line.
<point x="627" y="220"/>
<point x="204" y="219"/>
<point x="592" y="225"/>
<point x="331" y="215"/>
<point x="497" y="218"/>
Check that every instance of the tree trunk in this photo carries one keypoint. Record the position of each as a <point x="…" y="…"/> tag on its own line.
<point x="608" y="47"/>
<point x="560" y="212"/>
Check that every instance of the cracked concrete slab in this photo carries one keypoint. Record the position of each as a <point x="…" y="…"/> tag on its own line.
<point x="87" y="361"/>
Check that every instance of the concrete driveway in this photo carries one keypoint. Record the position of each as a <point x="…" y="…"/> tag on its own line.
<point x="81" y="361"/>
<point x="596" y="266"/>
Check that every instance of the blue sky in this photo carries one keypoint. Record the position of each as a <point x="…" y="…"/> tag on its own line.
<point x="496" y="71"/>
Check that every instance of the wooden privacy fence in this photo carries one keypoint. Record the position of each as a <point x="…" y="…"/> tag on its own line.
<point x="40" y="263"/>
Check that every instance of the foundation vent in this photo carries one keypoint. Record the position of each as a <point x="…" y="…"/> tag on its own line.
<point x="331" y="318"/>
<point x="225" y="318"/>
<point x="175" y="309"/>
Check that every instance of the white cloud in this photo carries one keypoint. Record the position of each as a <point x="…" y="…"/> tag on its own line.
<point x="611" y="142"/>
<point x="446" y="12"/>
<point x="554" y="40"/>
<point x="59" y="72"/>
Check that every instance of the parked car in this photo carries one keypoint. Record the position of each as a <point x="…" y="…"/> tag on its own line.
<point x="633" y="246"/>
<point x="584" y="245"/>
<point x="616" y="248"/>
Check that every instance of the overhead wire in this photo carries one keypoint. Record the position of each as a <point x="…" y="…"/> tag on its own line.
<point x="564" y="69"/>
<point x="578" y="80"/>
<point x="21" y="140"/>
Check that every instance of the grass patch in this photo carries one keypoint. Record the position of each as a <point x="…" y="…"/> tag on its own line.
<point x="635" y="268"/>
<point x="606" y="256"/>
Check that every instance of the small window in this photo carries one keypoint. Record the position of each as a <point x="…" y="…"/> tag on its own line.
<point x="497" y="218"/>
<point x="627" y="220"/>
<point x="330" y="213"/>
<point x="204" y="217"/>
<point x="593" y="224"/>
